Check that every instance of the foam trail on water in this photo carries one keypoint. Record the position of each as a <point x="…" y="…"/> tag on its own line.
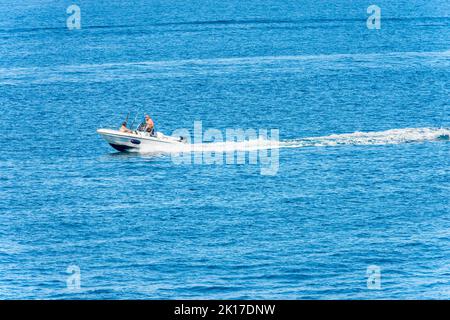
<point x="393" y="136"/>
<point x="227" y="146"/>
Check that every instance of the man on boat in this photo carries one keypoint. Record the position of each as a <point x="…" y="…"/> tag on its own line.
<point x="147" y="125"/>
<point x="123" y="128"/>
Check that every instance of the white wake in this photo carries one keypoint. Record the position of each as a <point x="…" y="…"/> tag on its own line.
<point x="388" y="137"/>
<point x="393" y="136"/>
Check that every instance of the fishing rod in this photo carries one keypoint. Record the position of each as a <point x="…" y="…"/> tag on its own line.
<point x="126" y="120"/>
<point x="134" y="120"/>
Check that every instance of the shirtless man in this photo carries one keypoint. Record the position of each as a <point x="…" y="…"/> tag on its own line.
<point x="148" y="125"/>
<point x="123" y="128"/>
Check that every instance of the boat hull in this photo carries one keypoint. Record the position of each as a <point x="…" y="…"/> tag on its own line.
<point x="137" y="141"/>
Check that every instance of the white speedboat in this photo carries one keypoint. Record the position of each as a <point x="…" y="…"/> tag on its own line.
<point x="138" y="140"/>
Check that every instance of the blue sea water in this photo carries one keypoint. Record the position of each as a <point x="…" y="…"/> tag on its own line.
<point x="140" y="226"/>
